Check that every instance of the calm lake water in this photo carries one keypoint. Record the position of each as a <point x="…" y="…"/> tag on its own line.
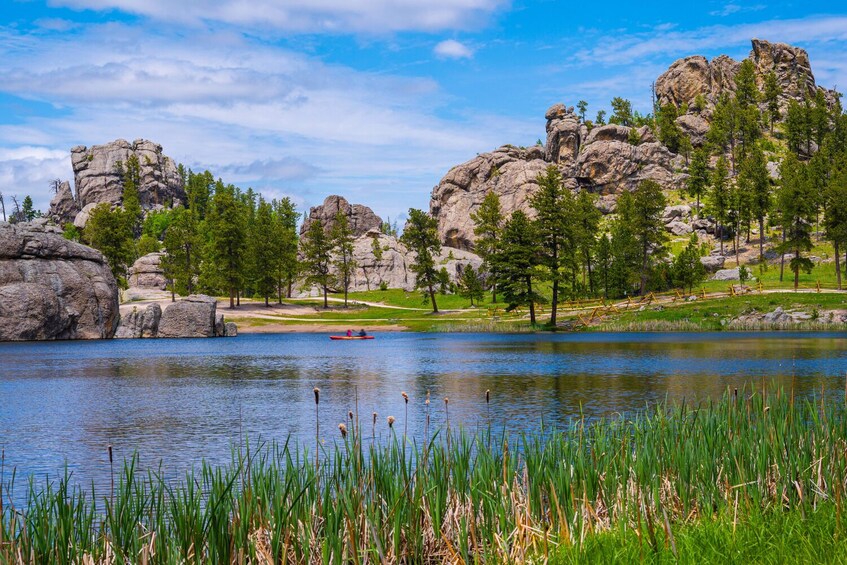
<point x="176" y="402"/>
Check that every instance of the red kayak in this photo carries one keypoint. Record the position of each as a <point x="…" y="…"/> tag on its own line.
<point x="351" y="337"/>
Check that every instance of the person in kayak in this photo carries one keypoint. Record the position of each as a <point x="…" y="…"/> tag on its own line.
<point x="349" y="333"/>
<point x="362" y="333"/>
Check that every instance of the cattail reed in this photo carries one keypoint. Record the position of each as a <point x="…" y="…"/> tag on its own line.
<point x="406" y="417"/>
<point x="391" y="422"/>
<point x="317" y="392"/>
<point x="343" y="429"/>
<point x="373" y="428"/>
<point x="112" y="476"/>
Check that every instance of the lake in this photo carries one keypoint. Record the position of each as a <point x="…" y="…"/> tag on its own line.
<point x="176" y="402"/>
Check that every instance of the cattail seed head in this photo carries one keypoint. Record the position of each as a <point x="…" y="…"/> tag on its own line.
<point x="405" y="396"/>
<point x="317" y="392"/>
<point x="487" y="396"/>
<point x="391" y="421"/>
<point x="350" y="415"/>
<point x="446" y="400"/>
<point x="343" y="429"/>
<point x="374" y="418"/>
<point x="110" y="453"/>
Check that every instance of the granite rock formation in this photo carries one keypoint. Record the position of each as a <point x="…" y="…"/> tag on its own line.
<point x="147" y="272"/>
<point x="137" y="324"/>
<point x="53" y="288"/>
<point x="193" y="316"/>
<point x="360" y="217"/>
<point x="97" y="178"/>
<point x="63" y="207"/>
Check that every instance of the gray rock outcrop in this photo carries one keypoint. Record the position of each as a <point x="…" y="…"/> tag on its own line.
<point x="713" y="263"/>
<point x="138" y="324"/>
<point x="147" y="272"/>
<point x="687" y="78"/>
<point x="63" y="207"/>
<point x="98" y="179"/>
<point x="53" y="288"/>
<point x="361" y="218"/>
<point x="193" y="316"/>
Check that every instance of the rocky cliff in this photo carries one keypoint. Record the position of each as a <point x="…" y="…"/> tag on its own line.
<point x="97" y="178"/>
<point x="52" y="288"/>
<point x="361" y="218"/>
<point x="193" y="316"/>
<point x="603" y="160"/>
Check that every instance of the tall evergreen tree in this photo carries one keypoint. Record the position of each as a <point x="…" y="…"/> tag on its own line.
<point x="488" y="226"/>
<point x="755" y="180"/>
<point x="587" y="223"/>
<point x="316" y="246"/>
<point x="342" y="246"/>
<point x="625" y="249"/>
<point x="516" y="263"/>
<point x="698" y="175"/>
<point x="285" y="237"/>
<point x="687" y="269"/>
<point x="720" y="197"/>
<point x="670" y="133"/>
<point x="835" y="215"/>
<point x="470" y="285"/>
<point x="797" y="214"/>
<point x="622" y="112"/>
<point x="264" y="251"/>
<point x="554" y="207"/>
<point x="108" y="232"/>
<point x="771" y="97"/>
<point x="227" y="240"/>
<point x="421" y="237"/>
<point x="183" y="246"/>
<point x="648" y="203"/>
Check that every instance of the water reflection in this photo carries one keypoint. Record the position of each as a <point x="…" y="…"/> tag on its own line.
<point x="181" y="401"/>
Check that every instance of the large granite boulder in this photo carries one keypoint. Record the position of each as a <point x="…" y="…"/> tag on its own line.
<point x="63" y="207"/>
<point x="609" y="166"/>
<point x="565" y="134"/>
<point x="360" y="217"/>
<point x="193" y="316"/>
<point x="98" y="178"/>
<point x="687" y="78"/>
<point x="147" y="272"/>
<point x="53" y="288"/>
<point x="510" y="172"/>
<point x="137" y="323"/>
<point x="792" y="68"/>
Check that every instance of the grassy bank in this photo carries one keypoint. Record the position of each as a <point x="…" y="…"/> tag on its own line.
<point x="750" y="477"/>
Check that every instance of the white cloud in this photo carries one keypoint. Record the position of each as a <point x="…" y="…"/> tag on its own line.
<point x="249" y="111"/>
<point x="452" y="49"/>
<point x="311" y="16"/>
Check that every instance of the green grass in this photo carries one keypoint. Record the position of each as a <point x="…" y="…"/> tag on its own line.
<point x="753" y="477"/>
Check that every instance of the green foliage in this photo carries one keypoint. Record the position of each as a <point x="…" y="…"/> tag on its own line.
<point x="488" y="227"/>
<point x="388" y="227"/>
<point x="797" y="211"/>
<point x="156" y="223"/>
<point x="687" y="270"/>
<point x="183" y="246"/>
<point x="316" y="247"/>
<point x="648" y="203"/>
<point x="198" y="189"/>
<point x="342" y="244"/>
<point x="670" y="134"/>
<point x="376" y="249"/>
<point x="71" y="232"/>
<point x="147" y="244"/>
<point x="28" y="210"/>
<point x="621" y="112"/>
<point x="720" y="196"/>
<point x="771" y="98"/>
<point x="227" y="238"/>
<point x="633" y="138"/>
<point x="600" y="120"/>
<point x="586" y="225"/>
<point x="421" y="237"/>
<point x="699" y="103"/>
<point x="286" y="241"/>
<point x="264" y="248"/>
<point x="755" y="184"/>
<point x="470" y="285"/>
<point x="108" y="231"/>
<point x="698" y="175"/>
<point x="516" y="263"/>
<point x="582" y="106"/>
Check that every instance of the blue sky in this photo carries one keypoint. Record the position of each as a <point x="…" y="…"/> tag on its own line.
<point x="371" y="100"/>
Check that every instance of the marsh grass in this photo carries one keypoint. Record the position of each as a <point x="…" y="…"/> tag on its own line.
<point x="652" y="486"/>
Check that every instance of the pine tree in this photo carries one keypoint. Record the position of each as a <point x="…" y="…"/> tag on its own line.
<point x="183" y="246"/>
<point x="285" y="237"/>
<point x="582" y="106"/>
<point x="720" y="197"/>
<point x="687" y="269"/>
<point x="797" y="213"/>
<point x="265" y="256"/>
<point x="670" y="134"/>
<point x="316" y="246"/>
<point x="600" y="120"/>
<point x="604" y="261"/>
<point x="470" y="285"/>
<point x="622" y="112"/>
<point x="771" y="97"/>
<point x="625" y="249"/>
<point x="755" y="180"/>
<point x="130" y="173"/>
<point x="516" y="263"/>
<point x="421" y="237"/>
<point x="488" y="226"/>
<point x="108" y="232"/>
<point x="835" y="215"/>
<point x="342" y="246"/>
<point x="554" y="207"/>
<point x="698" y="175"/>
<point x="28" y="209"/>
<point x="226" y="228"/>
<point x="648" y="203"/>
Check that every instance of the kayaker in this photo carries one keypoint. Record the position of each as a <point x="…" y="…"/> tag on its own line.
<point x="349" y="333"/>
<point x="362" y="333"/>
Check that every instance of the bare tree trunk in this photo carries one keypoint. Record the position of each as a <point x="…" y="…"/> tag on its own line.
<point x="837" y="264"/>
<point x="432" y="297"/>
<point x="531" y="302"/>
<point x="782" y="258"/>
<point x="761" y="239"/>
<point x="326" y="302"/>
<point x="796" y="271"/>
<point x="231" y="297"/>
<point x="554" y="303"/>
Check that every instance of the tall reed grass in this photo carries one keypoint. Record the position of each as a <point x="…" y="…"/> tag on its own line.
<point x="456" y="497"/>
